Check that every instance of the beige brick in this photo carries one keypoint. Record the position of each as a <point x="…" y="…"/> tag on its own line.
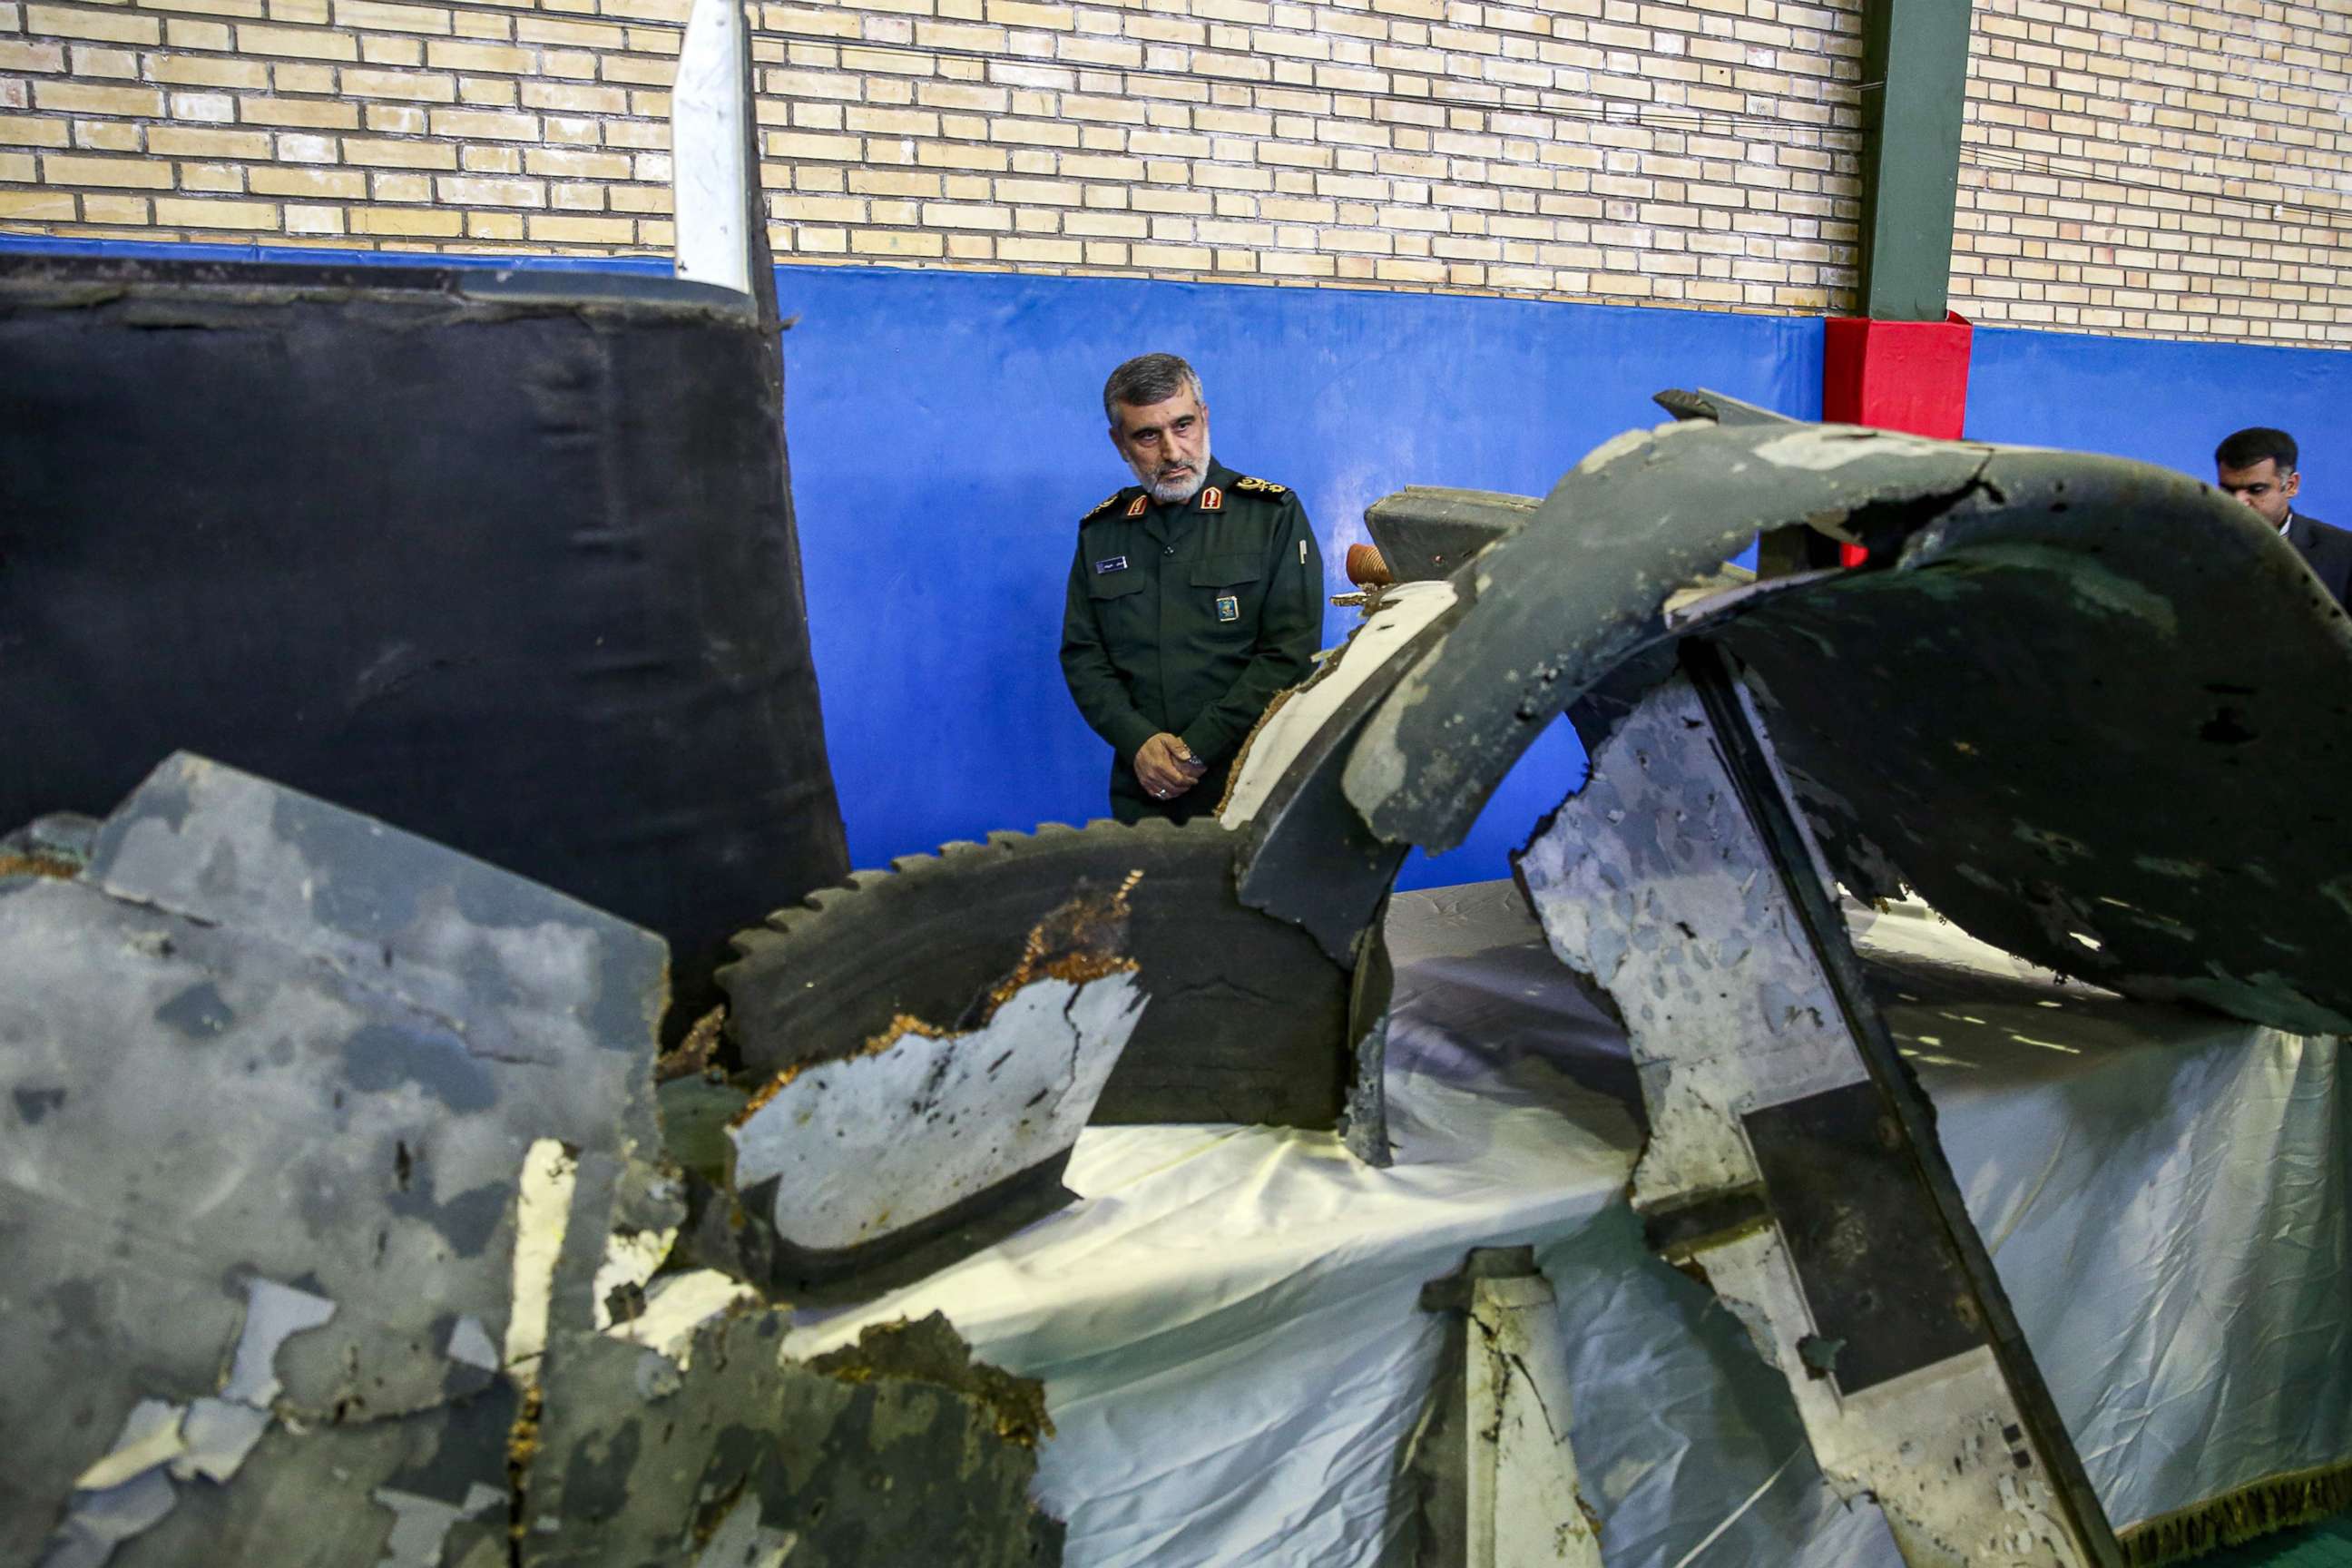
<point x="415" y="222"/>
<point x="23" y="131"/>
<point x="19" y="55"/>
<point x="173" y="211"/>
<point x="81" y="98"/>
<point x="61" y="169"/>
<point x="200" y="70"/>
<point x="402" y="52"/>
<point x="58" y="22"/>
<point x="18" y="168"/>
<point x="389" y="154"/>
<point x="46" y="205"/>
<point x="219" y="179"/>
<point x="887" y="242"/>
<point x="114" y="210"/>
<point x="565" y="97"/>
<point x="195" y="142"/>
<point x="106" y="136"/>
<point x="412" y="86"/>
<point x="375" y="16"/>
<point x="321" y="185"/>
<point x="314" y="220"/>
<point x="183" y="34"/>
<point x="302" y="43"/>
<point x="305" y="112"/>
<point x="464" y="191"/>
<point x="565" y="163"/>
<point x="582" y="230"/>
<point x="494" y="226"/>
<point x="466" y="57"/>
<point x="483" y="126"/>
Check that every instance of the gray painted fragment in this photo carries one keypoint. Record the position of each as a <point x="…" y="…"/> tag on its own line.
<point x="330" y="1045"/>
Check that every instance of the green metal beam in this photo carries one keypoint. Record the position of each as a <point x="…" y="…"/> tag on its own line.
<point x="1914" y="68"/>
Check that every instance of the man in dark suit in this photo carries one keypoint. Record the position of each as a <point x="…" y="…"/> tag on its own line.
<point x="2257" y="466"/>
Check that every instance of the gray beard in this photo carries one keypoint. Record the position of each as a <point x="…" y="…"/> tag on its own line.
<point x="1177" y="492"/>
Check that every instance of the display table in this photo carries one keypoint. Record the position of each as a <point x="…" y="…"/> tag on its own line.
<point x="1228" y="1329"/>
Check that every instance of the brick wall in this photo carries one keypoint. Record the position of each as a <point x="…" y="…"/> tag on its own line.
<point x="1694" y="152"/>
<point x="2131" y="165"/>
<point x="350" y="122"/>
<point x="2175" y="170"/>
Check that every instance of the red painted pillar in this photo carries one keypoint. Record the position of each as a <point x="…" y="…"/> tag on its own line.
<point x="1896" y="375"/>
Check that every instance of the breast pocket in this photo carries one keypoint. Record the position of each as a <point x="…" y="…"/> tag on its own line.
<point x="1228" y="590"/>
<point x="1120" y="605"/>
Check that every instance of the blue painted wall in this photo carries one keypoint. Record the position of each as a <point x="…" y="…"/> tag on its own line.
<point x="2168" y="403"/>
<point x="947" y="434"/>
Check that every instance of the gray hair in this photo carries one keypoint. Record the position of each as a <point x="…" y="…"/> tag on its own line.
<point x="1148" y="379"/>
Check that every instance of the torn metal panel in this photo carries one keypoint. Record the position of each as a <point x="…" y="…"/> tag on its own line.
<point x="1306" y="710"/>
<point x="853" y="1160"/>
<point x="1566" y="599"/>
<point x="1247" y="1020"/>
<point x="1425" y="531"/>
<point x="1307" y="857"/>
<point x="279" y="1204"/>
<point x="898" y="1450"/>
<point x="1679" y="879"/>
<point x="2046" y="711"/>
<point x="1489" y="1475"/>
<point x="1698" y="403"/>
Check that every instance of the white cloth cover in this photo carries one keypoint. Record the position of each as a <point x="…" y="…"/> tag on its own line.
<point x="1231" y="1350"/>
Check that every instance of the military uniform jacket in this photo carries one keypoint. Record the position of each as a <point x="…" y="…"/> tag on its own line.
<point x="1189" y="618"/>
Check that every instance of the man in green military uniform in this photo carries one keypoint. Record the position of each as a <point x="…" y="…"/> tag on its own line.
<point x="1195" y="596"/>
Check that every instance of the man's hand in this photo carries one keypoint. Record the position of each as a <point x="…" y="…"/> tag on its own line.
<point x="1166" y="767"/>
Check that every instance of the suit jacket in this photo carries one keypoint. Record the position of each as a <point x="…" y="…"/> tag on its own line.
<point x="2327" y="550"/>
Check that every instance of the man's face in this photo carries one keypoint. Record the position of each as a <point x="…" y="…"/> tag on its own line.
<point x="2262" y="488"/>
<point x="1167" y="445"/>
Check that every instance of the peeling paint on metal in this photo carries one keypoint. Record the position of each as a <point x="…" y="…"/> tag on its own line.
<point x="874" y="1142"/>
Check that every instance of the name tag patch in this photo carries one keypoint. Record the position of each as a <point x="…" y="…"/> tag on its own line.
<point x="1229" y="608"/>
<point x="1110" y="563"/>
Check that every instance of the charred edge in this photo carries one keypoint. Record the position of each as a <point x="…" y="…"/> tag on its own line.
<point x="695" y="1053"/>
<point x="35" y="864"/>
<point x="929" y="1350"/>
<point x="522" y="1448"/>
<point x="1708" y="1220"/>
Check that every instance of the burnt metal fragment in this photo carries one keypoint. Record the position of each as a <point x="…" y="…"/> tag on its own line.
<point x="1246" y="1019"/>
<point x="1582" y="586"/>
<point x="1488" y="1478"/>
<point x="1425" y="532"/>
<point x="290" y="1064"/>
<point x="896" y="1450"/>
<point x="1792" y="1161"/>
<point x="2100" y="699"/>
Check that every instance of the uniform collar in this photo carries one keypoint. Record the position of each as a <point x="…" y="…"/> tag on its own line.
<point x="1215" y="494"/>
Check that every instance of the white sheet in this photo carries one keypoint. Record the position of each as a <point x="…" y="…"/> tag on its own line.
<point x="1227" y="1325"/>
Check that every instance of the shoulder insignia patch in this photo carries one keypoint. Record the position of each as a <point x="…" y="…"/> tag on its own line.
<point x="1099" y="508"/>
<point x="1212" y="499"/>
<point x="1135" y="508"/>
<point x="1260" y="486"/>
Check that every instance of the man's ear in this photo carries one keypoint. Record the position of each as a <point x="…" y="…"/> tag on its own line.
<point x="2291" y="484"/>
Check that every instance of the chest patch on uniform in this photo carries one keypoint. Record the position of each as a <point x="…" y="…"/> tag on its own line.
<point x="1229" y="608"/>
<point x="1135" y="508"/>
<point x="1212" y="499"/>
<point x="1110" y="563"/>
